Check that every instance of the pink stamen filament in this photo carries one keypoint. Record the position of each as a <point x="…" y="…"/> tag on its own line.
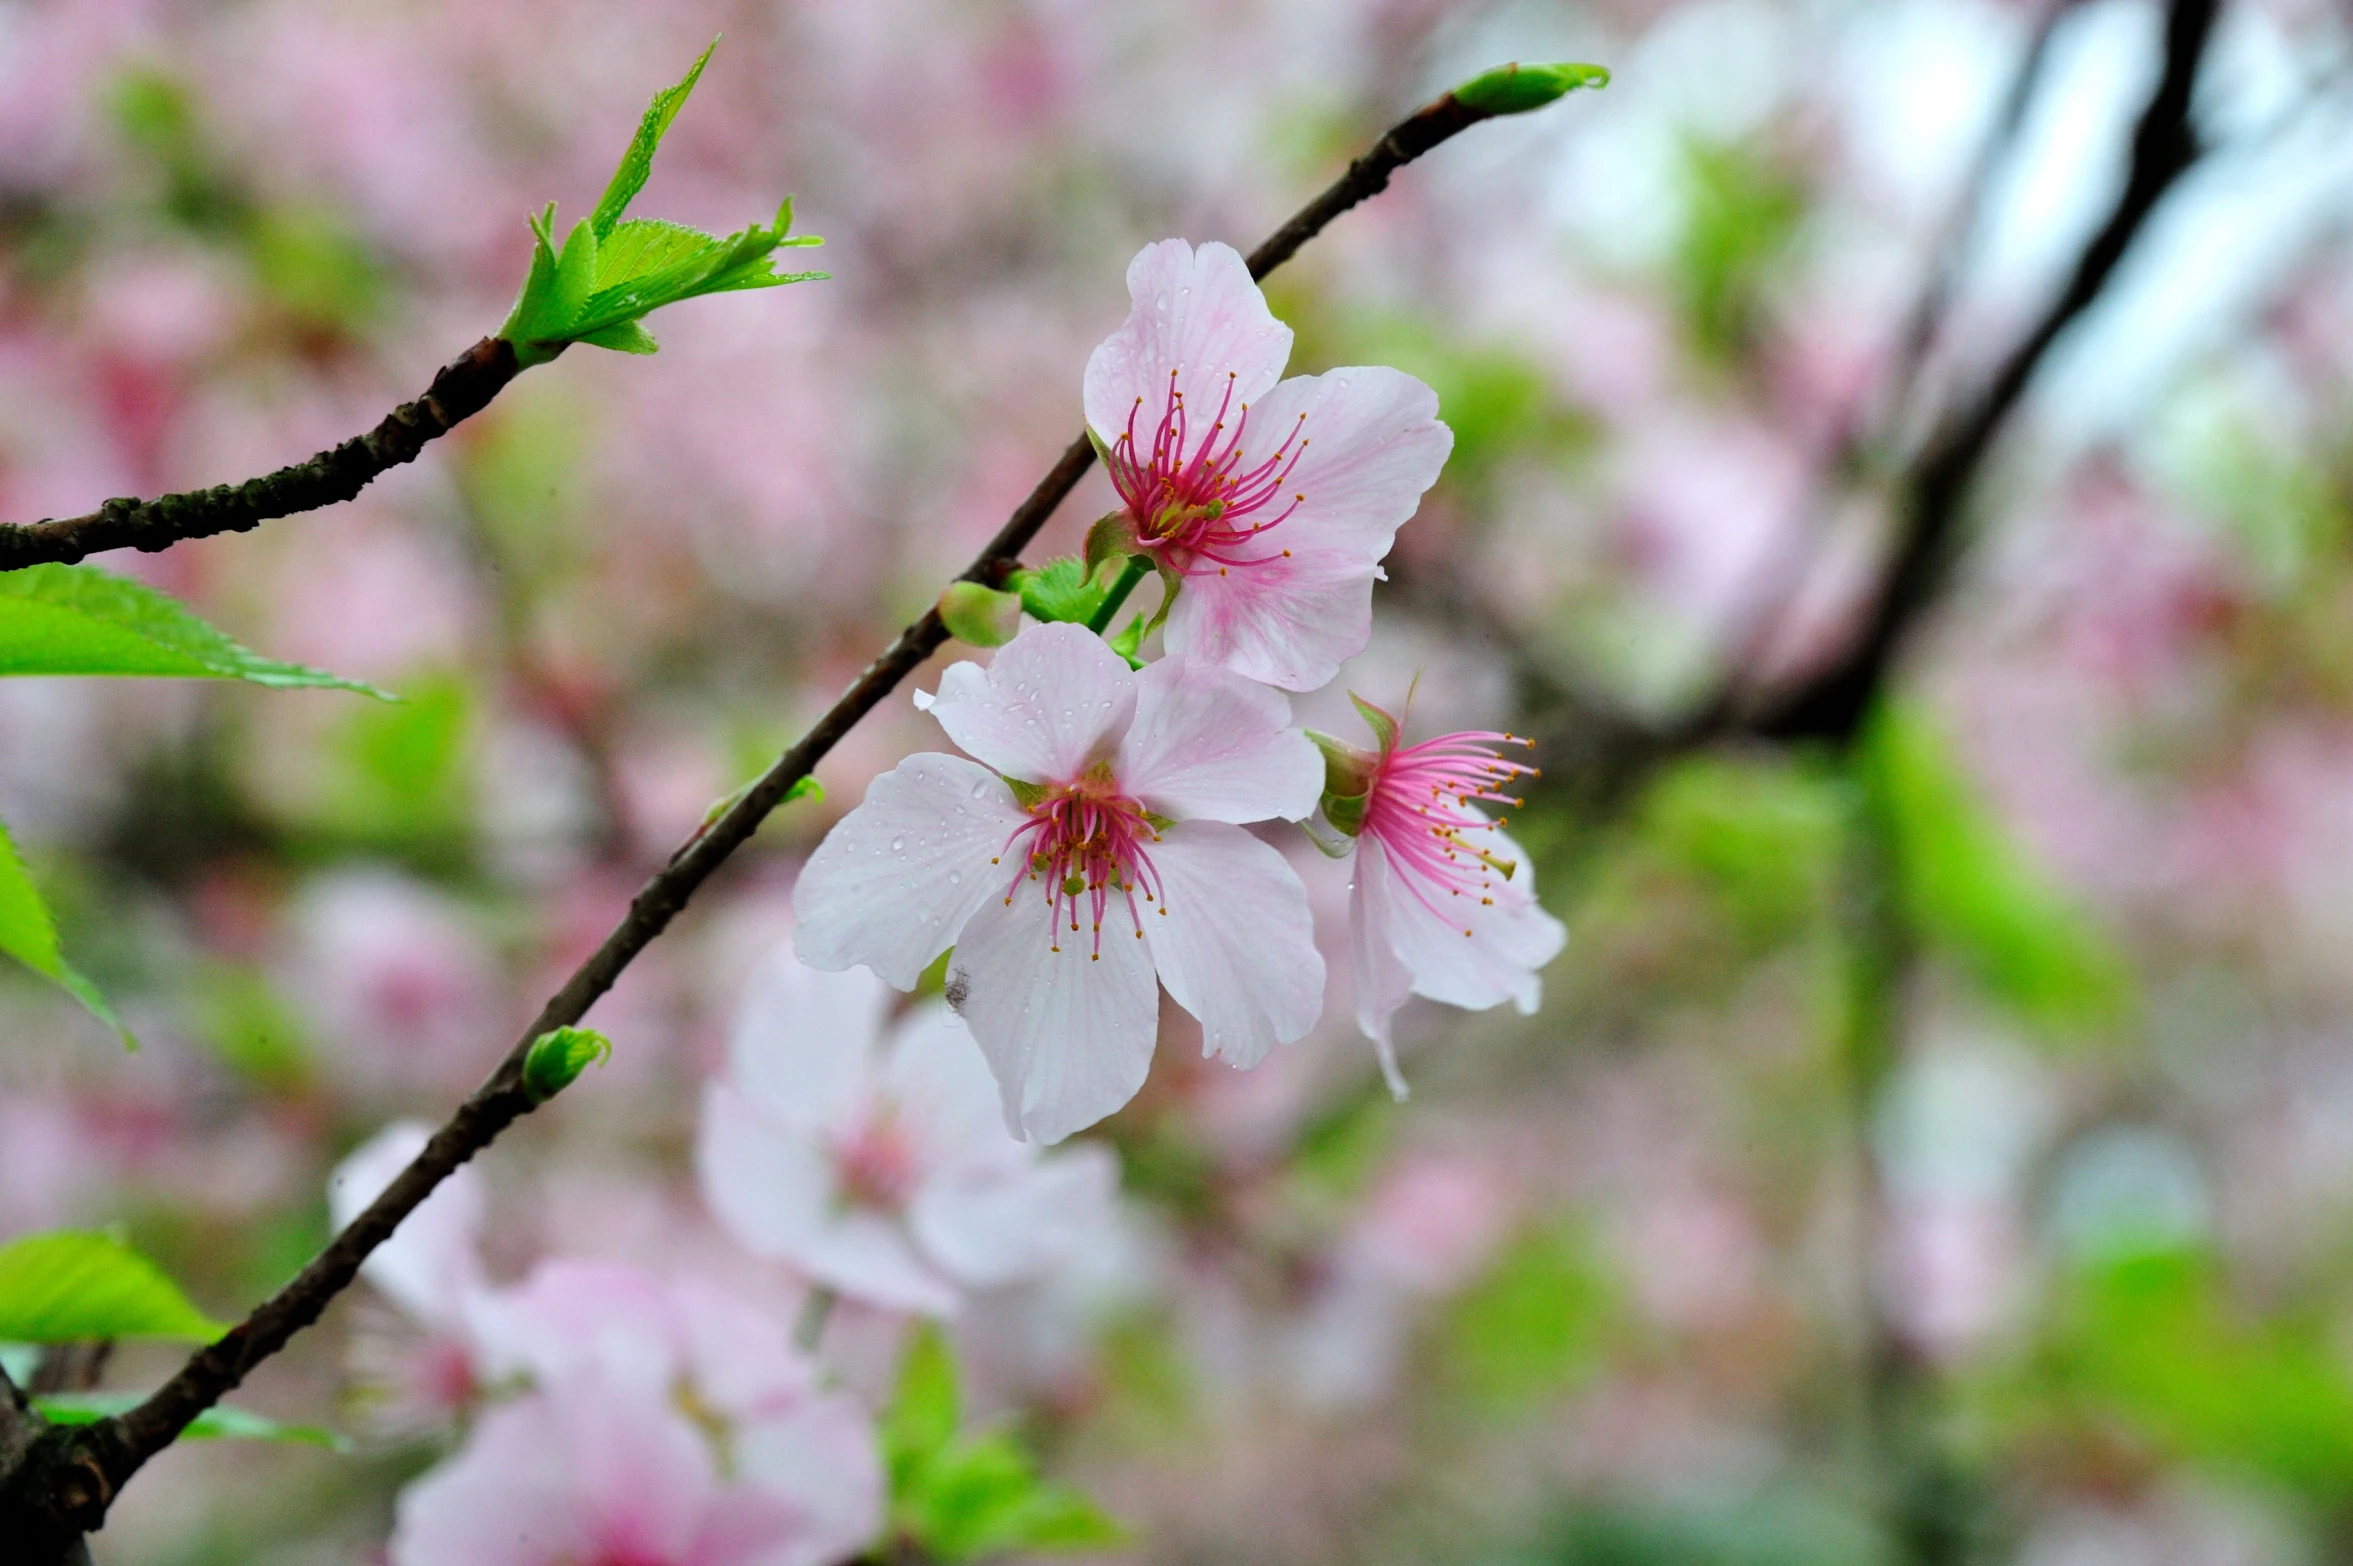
<point x="1421" y="811"/>
<point x="1086" y="840"/>
<point x="1196" y="503"/>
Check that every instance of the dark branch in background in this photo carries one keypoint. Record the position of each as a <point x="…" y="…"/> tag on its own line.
<point x="462" y="389"/>
<point x="1596" y="754"/>
<point x="1935" y="494"/>
<point x="61" y="1488"/>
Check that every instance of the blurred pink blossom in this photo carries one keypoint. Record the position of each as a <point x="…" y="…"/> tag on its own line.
<point x="883" y="1169"/>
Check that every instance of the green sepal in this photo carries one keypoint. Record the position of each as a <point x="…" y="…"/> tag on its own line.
<point x="1112" y="538"/>
<point x="1027" y="795"/>
<point x="558" y="1057"/>
<point x="1063" y="589"/>
<point x="1329" y="841"/>
<point x="1348" y="769"/>
<point x="1517" y="88"/>
<point x="980" y="615"/>
<point x="1384" y="725"/>
<point x="1126" y="643"/>
<point x="75" y="1286"/>
<point x="217" y="1423"/>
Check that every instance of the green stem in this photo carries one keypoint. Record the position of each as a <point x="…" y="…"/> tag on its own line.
<point x="1137" y="566"/>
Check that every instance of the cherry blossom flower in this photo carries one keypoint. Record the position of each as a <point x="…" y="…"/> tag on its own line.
<point x="430" y="1270"/>
<point x="617" y="1362"/>
<point x="882" y="1169"/>
<point x="1273" y="503"/>
<point x="1102" y="851"/>
<point x="597" y="1472"/>
<point x="1443" y="902"/>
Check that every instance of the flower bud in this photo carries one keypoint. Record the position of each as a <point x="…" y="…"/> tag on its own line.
<point x="558" y="1057"/>
<point x="980" y="615"/>
<point x="1516" y="88"/>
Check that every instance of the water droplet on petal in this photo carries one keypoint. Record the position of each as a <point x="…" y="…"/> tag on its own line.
<point x="898" y="844"/>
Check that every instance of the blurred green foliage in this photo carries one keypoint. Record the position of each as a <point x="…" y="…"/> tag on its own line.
<point x="1778" y="1527"/>
<point x="960" y="1498"/>
<point x="2149" y="1349"/>
<point x="1743" y="208"/>
<point x="399" y="779"/>
<point x="1536" y="1326"/>
<point x="307" y="263"/>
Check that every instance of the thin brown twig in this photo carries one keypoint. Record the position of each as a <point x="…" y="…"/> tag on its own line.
<point x="462" y="388"/>
<point x="62" y="1487"/>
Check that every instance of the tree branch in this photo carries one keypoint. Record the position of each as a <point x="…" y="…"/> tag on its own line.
<point x="2164" y="145"/>
<point x="64" y="1484"/>
<point x="462" y="388"/>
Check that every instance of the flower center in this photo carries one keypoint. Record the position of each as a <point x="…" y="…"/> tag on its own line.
<point x="1421" y="811"/>
<point x="1086" y="843"/>
<point x="1193" y="501"/>
<point x="876" y="1163"/>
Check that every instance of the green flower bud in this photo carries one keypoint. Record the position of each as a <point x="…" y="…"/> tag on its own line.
<point x="558" y="1057"/>
<point x="1516" y="88"/>
<point x="980" y="615"/>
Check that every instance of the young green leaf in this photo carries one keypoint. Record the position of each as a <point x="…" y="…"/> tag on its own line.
<point x="1063" y="588"/>
<point x="638" y="161"/>
<point x="611" y="273"/>
<point x="923" y="1413"/>
<point x="77" y="619"/>
<point x="964" y="1500"/>
<point x="217" y="1423"/>
<point x="72" y="1286"/>
<point x="28" y="934"/>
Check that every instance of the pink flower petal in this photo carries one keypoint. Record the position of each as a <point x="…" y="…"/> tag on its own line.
<point x="822" y="1458"/>
<point x="1068" y="1036"/>
<point x="1235" y="943"/>
<point x="1373" y="446"/>
<point x="804" y="1039"/>
<point x="1289" y="621"/>
<point x="432" y="1263"/>
<point x="1508" y="940"/>
<point x="1208" y="744"/>
<point x="1382" y="980"/>
<point x="1194" y="312"/>
<point x="940" y="1081"/>
<point x="990" y="1228"/>
<point x="768" y="1183"/>
<point x="870" y="1257"/>
<point x="1045" y="710"/>
<point x="894" y="881"/>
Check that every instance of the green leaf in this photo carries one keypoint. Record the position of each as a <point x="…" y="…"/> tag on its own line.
<point x="72" y="1286"/>
<point x="966" y="1500"/>
<point x="1969" y="890"/>
<point x="923" y="1412"/>
<point x="638" y="161"/>
<point x="28" y="934"/>
<point x="557" y="1058"/>
<point x="219" y="1422"/>
<point x="611" y="273"/>
<point x="77" y="619"/>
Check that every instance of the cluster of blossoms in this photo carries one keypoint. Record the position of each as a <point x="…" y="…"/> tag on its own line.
<point x="613" y="1414"/>
<point x="1094" y="849"/>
